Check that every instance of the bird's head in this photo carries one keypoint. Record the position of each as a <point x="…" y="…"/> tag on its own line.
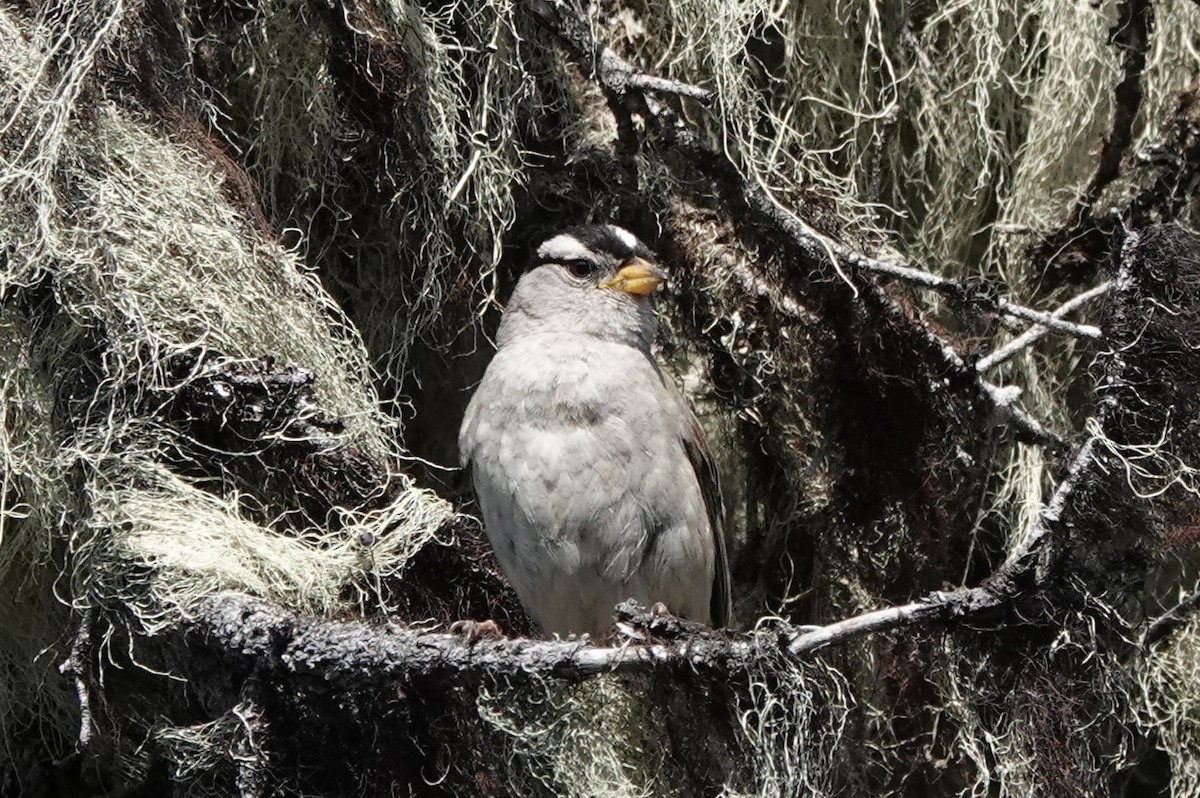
<point x="593" y="280"/>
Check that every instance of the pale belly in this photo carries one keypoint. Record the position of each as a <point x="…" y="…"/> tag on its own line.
<point x="589" y="500"/>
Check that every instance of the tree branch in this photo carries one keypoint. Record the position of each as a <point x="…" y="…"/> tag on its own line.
<point x="258" y="635"/>
<point x="955" y="289"/>
<point x="251" y="633"/>
<point x="610" y="70"/>
<point x="664" y="125"/>
<point x="354" y="653"/>
<point x="77" y="665"/>
<point x="1037" y="332"/>
<point x="266" y="639"/>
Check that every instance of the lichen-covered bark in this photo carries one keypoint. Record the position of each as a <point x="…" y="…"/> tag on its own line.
<point x="254" y="252"/>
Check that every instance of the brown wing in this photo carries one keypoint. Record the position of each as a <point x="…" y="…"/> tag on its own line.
<point x="710" y="489"/>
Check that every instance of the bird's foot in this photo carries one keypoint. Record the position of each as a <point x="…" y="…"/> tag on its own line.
<point x="638" y="623"/>
<point x="472" y="631"/>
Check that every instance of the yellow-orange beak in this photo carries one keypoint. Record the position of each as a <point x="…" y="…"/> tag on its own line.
<point x="636" y="276"/>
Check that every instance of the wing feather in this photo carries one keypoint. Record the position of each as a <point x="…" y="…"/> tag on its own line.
<point x="710" y="488"/>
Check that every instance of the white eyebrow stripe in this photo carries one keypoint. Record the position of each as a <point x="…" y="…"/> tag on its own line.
<point x="628" y="238"/>
<point x="564" y="247"/>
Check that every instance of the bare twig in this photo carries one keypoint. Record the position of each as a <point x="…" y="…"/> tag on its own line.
<point x="77" y="666"/>
<point x="957" y="290"/>
<point x="1035" y="333"/>
<point x="877" y="620"/>
<point x="1048" y="320"/>
<point x="1020" y="563"/>
<point x="639" y="80"/>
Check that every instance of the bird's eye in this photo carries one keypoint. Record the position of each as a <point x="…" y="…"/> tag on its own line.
<point x="580" y="268"/>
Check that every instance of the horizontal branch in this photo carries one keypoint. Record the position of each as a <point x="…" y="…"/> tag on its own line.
<point x="268" y="638"/>
<point x="355" y="652"/>
<point x="253" y="633"/>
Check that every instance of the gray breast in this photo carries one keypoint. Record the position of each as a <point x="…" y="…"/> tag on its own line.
<point x="588" y="496"/>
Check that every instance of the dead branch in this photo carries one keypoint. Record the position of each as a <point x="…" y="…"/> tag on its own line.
<point x="640" y="80"/>
<point x="955" y="289"/>
<point x="251" y="632"/>
<point x="1048" y="320"/>
<point x="77" y="665"/>
<point x="1036" y="333"/>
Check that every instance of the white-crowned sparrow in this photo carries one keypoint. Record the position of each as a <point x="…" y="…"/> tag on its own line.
<point x="591" y="471"/>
